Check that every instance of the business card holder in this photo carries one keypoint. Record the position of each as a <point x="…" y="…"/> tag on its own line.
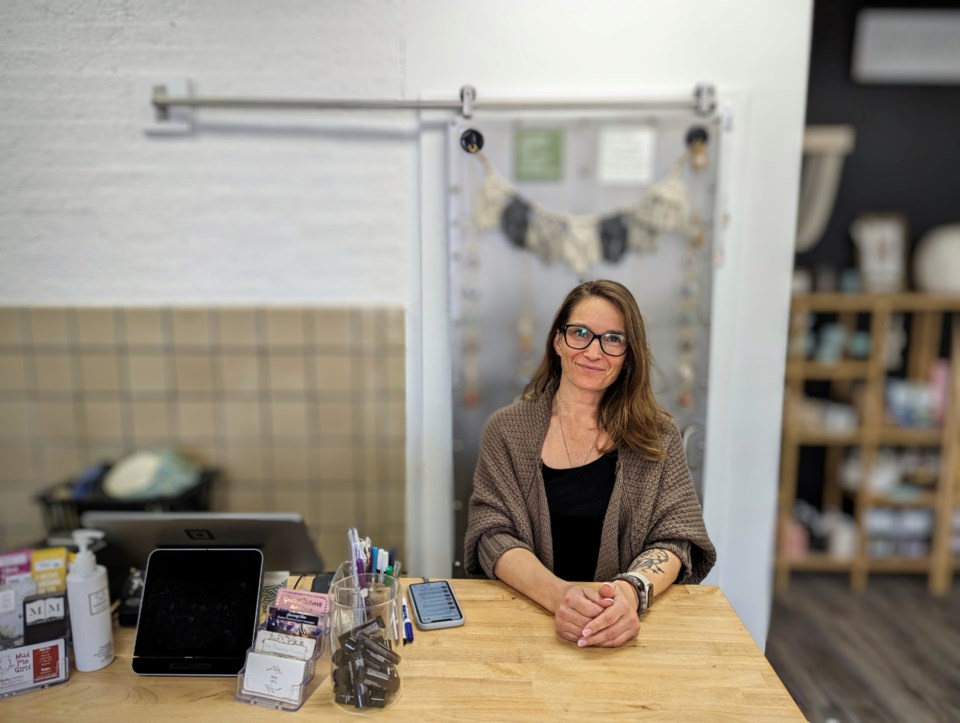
<point x="32" y="667"/>
<point x="280" y="670"/>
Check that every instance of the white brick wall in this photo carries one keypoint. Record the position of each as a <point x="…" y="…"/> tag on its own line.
<point x="252" y="207"/>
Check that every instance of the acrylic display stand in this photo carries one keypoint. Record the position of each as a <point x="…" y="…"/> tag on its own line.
<point x="32" y="667"/>
<point x="280" y="691"/>
<point x="276" y="676"/>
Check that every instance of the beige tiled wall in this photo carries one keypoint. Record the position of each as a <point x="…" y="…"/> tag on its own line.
<point x="302" y="409"/>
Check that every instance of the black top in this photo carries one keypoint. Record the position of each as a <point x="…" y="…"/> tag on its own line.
<point x="578" y="500"/>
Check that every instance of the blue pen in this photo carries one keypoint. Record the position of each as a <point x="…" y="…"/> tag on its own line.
<point x="373" y="560"/>
<point x="407" y="625"/>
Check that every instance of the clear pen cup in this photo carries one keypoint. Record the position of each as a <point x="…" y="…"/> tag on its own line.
<point x="366" y="637"/>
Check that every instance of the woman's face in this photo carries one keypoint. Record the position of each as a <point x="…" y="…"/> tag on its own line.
<point x="591" y="369"/>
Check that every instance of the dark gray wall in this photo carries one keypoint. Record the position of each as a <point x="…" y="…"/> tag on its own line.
<point x="907" y="155"/>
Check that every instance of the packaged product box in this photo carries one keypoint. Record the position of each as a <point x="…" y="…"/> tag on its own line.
<point x="14" y="564"/>
<point x="49" y="569"/>
<point x="11" y="609"/>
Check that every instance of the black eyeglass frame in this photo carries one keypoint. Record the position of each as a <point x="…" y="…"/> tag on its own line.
<point x="593" y="335"/>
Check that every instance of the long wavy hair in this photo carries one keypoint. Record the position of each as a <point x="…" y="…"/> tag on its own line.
<point x="629" y="412"/>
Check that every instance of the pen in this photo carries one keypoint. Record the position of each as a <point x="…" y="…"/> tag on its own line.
<point x="407" y="625"/>
<point x="382" y="559"/>
<point x="356" y="549"/>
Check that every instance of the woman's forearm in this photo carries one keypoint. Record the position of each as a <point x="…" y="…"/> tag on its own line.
<point x="660" y="567"/>
<point x="521" y="570"/>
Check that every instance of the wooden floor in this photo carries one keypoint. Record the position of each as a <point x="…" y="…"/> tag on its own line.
<point x="889" y="654"/>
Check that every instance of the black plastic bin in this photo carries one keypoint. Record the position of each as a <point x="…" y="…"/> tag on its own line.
<point x="61" y="513"/>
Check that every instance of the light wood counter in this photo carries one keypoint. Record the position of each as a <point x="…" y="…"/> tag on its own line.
<point x="694" y="660"/>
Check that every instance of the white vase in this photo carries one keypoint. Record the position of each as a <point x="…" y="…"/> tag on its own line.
<point x="936" y="261"/>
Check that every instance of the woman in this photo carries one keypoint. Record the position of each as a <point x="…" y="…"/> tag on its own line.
<point x="584" y="478"/>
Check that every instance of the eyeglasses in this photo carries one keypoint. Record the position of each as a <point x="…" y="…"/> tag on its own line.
<point x="580" y="337"/>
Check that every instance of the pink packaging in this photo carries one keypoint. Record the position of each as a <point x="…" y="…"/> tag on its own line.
<point x="303" y="601"/>
<point x="940" y="382"/>
<point x="14" y="564"/>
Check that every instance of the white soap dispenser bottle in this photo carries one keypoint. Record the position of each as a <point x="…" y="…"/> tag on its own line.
<point x="88" y="596"/>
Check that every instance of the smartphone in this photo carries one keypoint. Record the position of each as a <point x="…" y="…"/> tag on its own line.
<point x="434" y="605"/>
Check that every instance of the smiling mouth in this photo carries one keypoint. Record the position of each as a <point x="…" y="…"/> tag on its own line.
<point x="587" y="367"/>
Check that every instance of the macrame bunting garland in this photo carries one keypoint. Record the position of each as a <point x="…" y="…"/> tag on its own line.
<point x="581" y="241"/>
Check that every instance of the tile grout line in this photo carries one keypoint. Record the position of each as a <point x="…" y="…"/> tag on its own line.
<point x="314" y="481"/>
<point x="126" y="394"/>
<point x="219" y="403"/>
<point x="358" y="321"/>
<point x="171" y="394"/>
<point x="83" y="449"/>
<point x="33" y="421"/>
<point x="267" y="451"/>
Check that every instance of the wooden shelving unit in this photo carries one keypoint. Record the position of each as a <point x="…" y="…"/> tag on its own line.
<point x="928" y="312"/>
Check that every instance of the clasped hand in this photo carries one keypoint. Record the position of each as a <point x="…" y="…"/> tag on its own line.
<point x="605" y="617"/>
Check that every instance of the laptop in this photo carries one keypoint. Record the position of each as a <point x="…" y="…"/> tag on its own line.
<point x="198" y="612"/>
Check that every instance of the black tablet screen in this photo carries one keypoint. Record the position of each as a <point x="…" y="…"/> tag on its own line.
<point x="198" y="606"/>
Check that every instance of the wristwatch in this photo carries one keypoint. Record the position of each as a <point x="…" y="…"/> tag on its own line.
<point x="643" y="587"/>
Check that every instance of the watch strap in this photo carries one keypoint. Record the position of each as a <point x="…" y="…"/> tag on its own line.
<point x="642" y="585"/>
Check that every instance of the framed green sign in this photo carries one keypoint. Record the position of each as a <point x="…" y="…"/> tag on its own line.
<point x="538" y="154"/>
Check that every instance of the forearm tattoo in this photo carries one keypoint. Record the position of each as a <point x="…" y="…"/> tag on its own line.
<point x="651" y="561"/>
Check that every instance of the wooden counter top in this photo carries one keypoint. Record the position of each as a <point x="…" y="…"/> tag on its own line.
<point x="694" y="660"/>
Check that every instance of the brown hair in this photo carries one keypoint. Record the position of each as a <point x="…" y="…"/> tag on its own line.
<point x="629" y="412"/>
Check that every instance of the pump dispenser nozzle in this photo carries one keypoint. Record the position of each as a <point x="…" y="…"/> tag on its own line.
<point x="86" y="561"/>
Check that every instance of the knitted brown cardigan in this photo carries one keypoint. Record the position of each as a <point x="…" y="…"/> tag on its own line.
<point x="653" y="504"/>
